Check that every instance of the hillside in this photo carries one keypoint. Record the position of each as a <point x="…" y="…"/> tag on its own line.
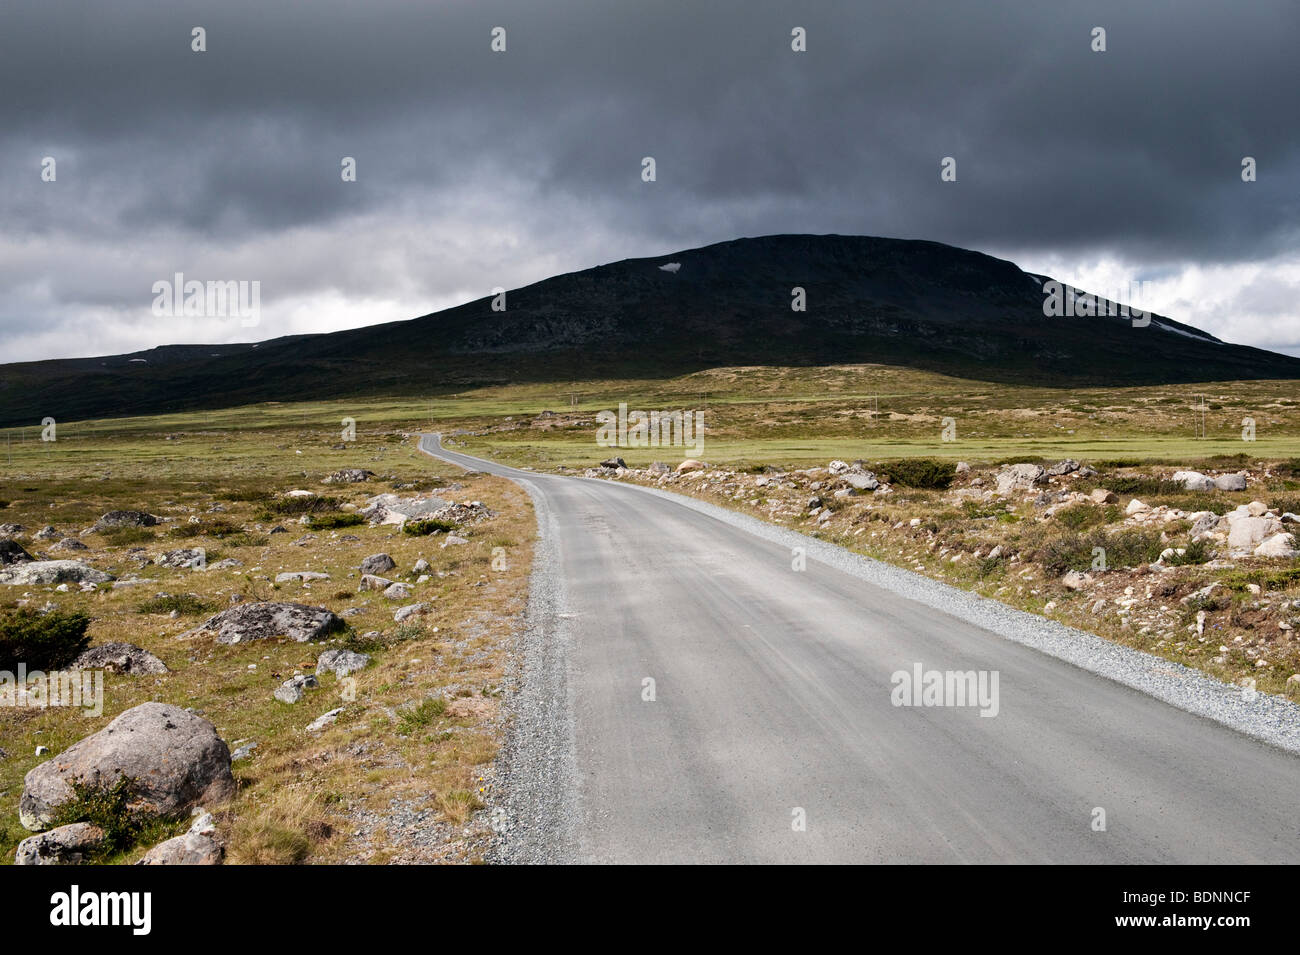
<point x="900" y="302"/>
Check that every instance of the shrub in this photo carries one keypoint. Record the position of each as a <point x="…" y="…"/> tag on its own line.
<point x="324" y="522"/>
<point x="127" y="535"/>
<point x="109" y="808"/>
<point x="422" y="527"/>
<point x="1134" y="484"/>
<point x="1127" y="548"/>
<point x="1197" y="552"/>
<point x="42" y="641"/>
<point x="216" y="528"/>
<point x="429" y="710"/>
<point x="187" y="605"/>
<point x="1081" y="516"/>
<point x="921" y="473"/>
<point x="297" y="506"/>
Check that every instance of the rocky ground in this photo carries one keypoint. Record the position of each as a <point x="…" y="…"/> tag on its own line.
<point x="1198" y="566"/>
<point x="310" y="665"/>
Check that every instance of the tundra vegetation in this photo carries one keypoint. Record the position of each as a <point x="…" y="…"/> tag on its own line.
<point x="405" y="770"/>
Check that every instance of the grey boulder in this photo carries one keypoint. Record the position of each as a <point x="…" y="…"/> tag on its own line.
<point x="66" y="845"/>
<point x="118" y="657"/>
<point x="266" y="620"/>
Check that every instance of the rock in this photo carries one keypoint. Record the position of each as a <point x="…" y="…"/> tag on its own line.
<point x="1230" y="482"/>
<point x="243" y="752"/>
<point x="862" y="480"/>
<point x="1103" y="496"/>
<point x="1279" y="545"/>
<point x="1136" y="507"/>
<point x="398" y="592"/>
<point x="405" y="613"/>
<point x="1020" y="477"/>
<point x="378" y="564"/>
<point x="612" y="463"/>
<point x="119" y="657"/>
<point x="1068" y="466"/>
<point x="69" y="543"/>
<point x="66" y="845"/>
<point x="124" y="519"/>
<point x="1247" y="533"/>
<point x="1203" y="522"/>
<point x="11" y="552"/>
<point x="690" y="464"/>
<point x="1256" y="508"/>
<point x="659" y="467"/>
<point x="1194" y="480"/>
<point x="226" y="564"/>
<point x="348" y="476"/>
<point x="452" y="540"/>
<point x="52" y="572"/>
<point x="305" y="576"/>
<point x="175" y="758"/>
<point x="421" y="566"/>
<point x="374" y="582"/>
<point x="318" y="724"/>
<point x="962" y="467"/>
<point x="291" y="690"/>
<point x="11" y="530"/>
<point x="837" y="467"/>
<point x="391" y="509"/>
<point x="1292" y="685"/>
<point x="192" y="848"/>
<point x="995" y="553"/>
<point x="48" y="533"/>
<point x="341" y="662"/>
<point x="1074" y="580"/>
<point x="265" y="620"/>
<point x="194" y="557"/>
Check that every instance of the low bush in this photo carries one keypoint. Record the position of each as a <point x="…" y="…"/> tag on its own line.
<point x="927" y="473"/>
<point x="41" y="641"/>
<point x="324" y="522"/>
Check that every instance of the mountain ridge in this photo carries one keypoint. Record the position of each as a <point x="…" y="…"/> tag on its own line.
<point x="909" y="302"/>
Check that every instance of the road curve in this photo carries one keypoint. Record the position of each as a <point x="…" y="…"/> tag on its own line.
<point x="772" y="703"/>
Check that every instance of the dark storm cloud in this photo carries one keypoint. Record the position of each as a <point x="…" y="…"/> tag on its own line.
<point x="479" y="169"/>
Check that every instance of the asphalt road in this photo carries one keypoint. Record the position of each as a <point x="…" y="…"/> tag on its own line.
<point x="772" y="702"/>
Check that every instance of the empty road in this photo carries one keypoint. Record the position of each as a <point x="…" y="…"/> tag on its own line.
<point x="770" y="734"/>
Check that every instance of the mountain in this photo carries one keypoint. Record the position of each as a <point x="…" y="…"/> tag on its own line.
<point x="900" y="302"/>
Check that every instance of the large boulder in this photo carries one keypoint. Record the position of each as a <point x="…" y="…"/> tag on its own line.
<point x="124" y="519"/>
<point x="267" y="620"/>
<point x="861" y="480"/>
<point x="1020" y="477"/>
<point x="119" y="657"/>
<point x="1068" y="466"/>
<point x="66" y="845"/>
<point x="1230" y="482"/>
<point x="11" y="552"/>
<point x="38" y="572"/>
<point x="174" y="758"/>
<point x="1278" y="545"/>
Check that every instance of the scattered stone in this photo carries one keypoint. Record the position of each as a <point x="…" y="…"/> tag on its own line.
<point x="1136" y="507"/>
<point x="192" y="848"/>
<point x="243" y="752"/>
<point x="11" y="552"/>
<point x="52" y="572"/>
<point x="266" y="620"/>
<point x="175" y="758"/>
<point x="690" y="464"/>
<point x="1103" y="496"/>
<point x="613" y="463"/>
<point x="291" y="690"/>
<point x="318" y="724"/>
<point x="1068" y="466"/>
<point x="1230" y="482"/>
<point x="1194" y="480"/>
<point x="405" y="613"/>
<point x="1279" y="545"/>
<point x="348" y="476"/>
<point x="374" y="582"/>
<point x="48" y="533"/>
<point x="861" y="480"/>
<point x="304" y="576"/>
<point x="398" y="592"/>
<point x="118" y="657"/>
<point x="66" y="845"/>
<point x="341" y="662"/>
<point x="69" y="543"/>
<point x="193" y="557"/>
<point x="1074" y="580"/>
<point x="421" y="566"/>
<point x="378" y="564"/>
<point x="392" y="509"/>
<point x="124" y="519"/>
<point x="453" y="539"/>
<point x="1020" y="477"/>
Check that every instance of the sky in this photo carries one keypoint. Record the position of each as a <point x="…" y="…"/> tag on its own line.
<point x="1112" y="170"/>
